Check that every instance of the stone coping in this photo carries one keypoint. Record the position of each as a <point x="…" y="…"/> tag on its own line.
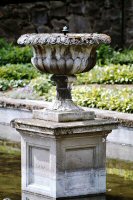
<point x="68" y="39"/>
<point x="125" y="119"/>
<point x="41" y="127"/>
<point x="23" y="104"/>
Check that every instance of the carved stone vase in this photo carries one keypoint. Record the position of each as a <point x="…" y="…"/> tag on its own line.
<point x="64" y="56"/>
<point x="63" y="147"/>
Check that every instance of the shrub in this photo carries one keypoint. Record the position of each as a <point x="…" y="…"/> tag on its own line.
<point x="4" y="44"/>
<point x="119" y="74"/>
<point x="18" y="72"/>
<point x="12" y="54"/>
<point x="124" y="57"/>
<point x="42" y="84"/>
<point x="104" y="54"/>
<point x="111" y="99"/>
<point x="15" y="55"/>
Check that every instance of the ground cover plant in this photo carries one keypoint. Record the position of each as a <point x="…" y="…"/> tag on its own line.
<point x="110" y="99"/>
<point x="6" y="84"/>
<point x="16" y="75"/>
<point x="109" y="74"/>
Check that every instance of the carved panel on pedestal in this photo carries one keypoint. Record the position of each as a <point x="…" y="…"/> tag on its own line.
<point x="80" y="168"/>
<point x="80" y="158"/>
<point x="39" y="166"/>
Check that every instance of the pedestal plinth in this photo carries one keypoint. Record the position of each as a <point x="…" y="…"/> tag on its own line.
<point x="63" y="159"/>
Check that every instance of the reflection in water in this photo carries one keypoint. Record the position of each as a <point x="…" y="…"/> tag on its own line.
<point x="119" y="178"/>
<point x="10" y="174"/>
<point x="28" y="196"/>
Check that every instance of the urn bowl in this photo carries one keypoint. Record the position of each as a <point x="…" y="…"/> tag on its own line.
<point x="64" y="54"/>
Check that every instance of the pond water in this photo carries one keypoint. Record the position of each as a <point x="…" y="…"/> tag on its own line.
<point x="119" y="176"/>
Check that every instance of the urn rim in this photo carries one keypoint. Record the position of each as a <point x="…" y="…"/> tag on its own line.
<point x="61" y="39"/>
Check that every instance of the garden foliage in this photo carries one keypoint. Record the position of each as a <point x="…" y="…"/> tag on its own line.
<point x="18" y="72"/>
<point x="9" y="84"/>
<point x="109" y="99"/>
<point x="41" y="84"/>
<point x="111" y="74"/>
<point x="16" y="75"/>
<point x="107" y="55"/>
<point x="12" y="54"/>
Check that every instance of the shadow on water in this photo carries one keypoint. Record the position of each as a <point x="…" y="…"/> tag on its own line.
<point x="119" y="177"/>
<point x="10" y="175"/>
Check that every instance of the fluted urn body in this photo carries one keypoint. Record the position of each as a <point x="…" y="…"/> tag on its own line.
<point x="64" y="56"/>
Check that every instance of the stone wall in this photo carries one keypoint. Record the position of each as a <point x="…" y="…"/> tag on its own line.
<point x="81" y="16"/>
<point x="128" y="22"/>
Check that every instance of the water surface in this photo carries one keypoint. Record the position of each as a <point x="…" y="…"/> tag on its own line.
<point x="119" y="176"/>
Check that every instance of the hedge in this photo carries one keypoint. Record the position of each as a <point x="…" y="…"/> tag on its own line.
<point x="18" y="72"/>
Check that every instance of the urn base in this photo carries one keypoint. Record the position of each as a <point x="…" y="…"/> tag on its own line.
<point x="63" y="116"/>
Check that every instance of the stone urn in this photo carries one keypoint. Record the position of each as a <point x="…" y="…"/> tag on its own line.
<point x="64" y="55"/>
<point x="63" y="153"/>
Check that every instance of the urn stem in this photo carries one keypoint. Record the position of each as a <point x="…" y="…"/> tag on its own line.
<point x="63" y="93"/>
<point x="63" y="86"/>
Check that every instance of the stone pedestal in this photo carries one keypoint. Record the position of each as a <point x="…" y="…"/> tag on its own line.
<point x="63" y="159"/>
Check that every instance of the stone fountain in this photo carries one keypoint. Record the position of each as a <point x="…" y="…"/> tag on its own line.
<point x="63" y="146"/>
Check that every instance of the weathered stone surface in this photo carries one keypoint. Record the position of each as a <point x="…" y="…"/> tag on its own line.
<point x="43" y="29"/>
<point x="79" y="24"/>
<point x="92" y="7"/>
<point x="64" y="128"/>
<point x="82" y="16"/>
<point x="63" y="159"/>
<point x="51" y="55"/>
<point x="39" y="17"/>
<point x="30" y="28"/>
<point x="68" y="116"/>
<point x="56" y="4"/>
<point x="86" y="39"/>
<point x="40" y="4"/>
<point x="58" y="12"/>
<point x="77" y="8"/>
<point x="57" y="9"/>
<point x="58" y="24"/>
